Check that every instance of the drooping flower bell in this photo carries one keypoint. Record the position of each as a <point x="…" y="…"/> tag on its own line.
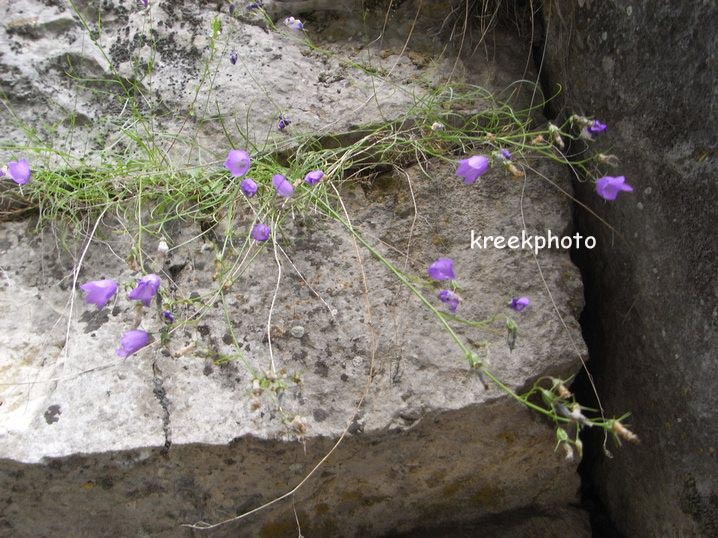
<point x="473" y="167"/>
<point x="146" y="289"/>
<point x="442" y="269"/>
<point x="233" y="57"/>
<point x="283" y="122"/>
<point x="283" y="187"/>
<point x="608" y="187"/>
<point x="260" y="232"/>
<point x="19" y="171"/>
<point x="249" y="187"/>
<point x="131" y="342"/>
<point x="237" y="162"/>
<point x="519" y="303"/>
<point x="314" y="177"/>
<point x="99" y="292"/>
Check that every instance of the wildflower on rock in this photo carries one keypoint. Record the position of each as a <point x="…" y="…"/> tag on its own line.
<point x="260" y="232"/>
<point x="294" y="24"/>
<point x="146" y="289"/>
<point x="233" y="57"/>
<point x="167" y="316"/>
<point x="519" y="303"/>
<point x="282" y="186"/>
<point x="131" y="342"/>
<point x="249" y="187"/>
<point x="473" y="167"/>
<point x="237" y="162"/>
<point x="19" y="171"/>
<point x="283" y="122"/>
<point x="450" y="298"/>
<point x="99" y="292"/>
<point x="314" y="177"/>
<point x="608" y="187"/>
<point x="442" y="269"/>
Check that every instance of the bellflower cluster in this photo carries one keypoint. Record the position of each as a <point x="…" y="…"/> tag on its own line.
<point x="443" y="269"/>
<point x="472" y="168"/>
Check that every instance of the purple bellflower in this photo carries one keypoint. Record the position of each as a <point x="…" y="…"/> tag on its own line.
<point x="505" y="154"/>
<point x="237" y="162"/>
<point x="99" y="292"/>
<point x="249" y="187"/>
<point x="442" y="269"/>
<point x="283" y="122"/>
<point x="255" y="5"/>
<point x="145" y="3"/>
<point x="473" y="167"/>
<point x="167" y="316"/>
<point x="131" y="342"/>
<point x="260" y="232"/>
<point x="314" y="177"/>
<point x="19" y="171"/>
<point x="597" y="127"/>
<point x="450" y="298"/>
<point x="519" y="303"/>
<point x="608" y="187"/>
<point x="283" y="187"/>
<point x="146" y="289"/>
<point x="233" y="57"/>
<point x="294" y="24"/>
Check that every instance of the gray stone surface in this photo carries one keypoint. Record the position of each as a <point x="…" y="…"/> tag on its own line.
<point x="99" y="446"/>
<point x="648" y="69"/>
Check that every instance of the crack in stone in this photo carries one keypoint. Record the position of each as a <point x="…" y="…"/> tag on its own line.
<point x="161" y="395"/>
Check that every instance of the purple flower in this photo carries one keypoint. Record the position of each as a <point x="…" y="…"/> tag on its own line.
<point x="597" y="127"/>
<point x="450" y="298"/>
<point x="144" y="2"/>
<point x="283" y="122"/>
<point x="442" y="269"/>
<point x="99" y="292"/>
<point x="505" y="154"/>
<point x="283" y="187"/>
<point x="19" y="171"/>
<point x="237" y="162"/>
<point x="314" y="177"/>
<point x="249" y="187"/>
<point x="146" y="289"/>
<point x="167" y="316"/>
<point x="473" y="167"/>
<point x="608" y="187"/>
<point x="131" y="342"/>
<point x="260" y="232"/>
<point x="233" y="57"/>
<point x="232" y="7"/>
<point x="294" y="24"/>
<point x="255" y="5"/>
<point x="519" y="303"/>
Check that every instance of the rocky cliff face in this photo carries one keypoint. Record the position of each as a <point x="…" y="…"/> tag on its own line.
<point x="93" y="445"/>
<point x="649" y="69"/>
